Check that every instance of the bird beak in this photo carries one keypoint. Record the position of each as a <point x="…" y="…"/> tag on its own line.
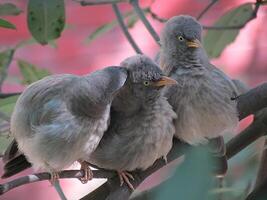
<point x="164" y="81"/>
<point x="193" y="43"/>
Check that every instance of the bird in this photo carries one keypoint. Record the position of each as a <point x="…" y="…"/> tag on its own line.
<point x="202" y="99"/>
<point x="60" y="119"/>
<point x="141" y="126"/>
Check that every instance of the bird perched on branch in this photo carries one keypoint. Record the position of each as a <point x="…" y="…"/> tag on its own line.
<point x="61" y="119"/>
<point x="141" y="127"/>
<point x="202" y="97"/>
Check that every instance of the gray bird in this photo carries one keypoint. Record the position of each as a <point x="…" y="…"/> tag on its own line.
<point x="202" y="97"/>
<point x="61" y="118"/>
<point x="141" y="127"/>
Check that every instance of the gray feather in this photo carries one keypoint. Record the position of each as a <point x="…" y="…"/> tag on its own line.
<point x="202" y="99"/>
<point x="141" y="128"/>
<point x="62" y="118"/>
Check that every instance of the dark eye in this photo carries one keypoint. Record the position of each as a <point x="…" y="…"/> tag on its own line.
<point x="146" y="83"/>
<point x="181" y="38"/>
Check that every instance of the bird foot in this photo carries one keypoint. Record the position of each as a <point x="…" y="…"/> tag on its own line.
<point x="54" y="177"/>
<point x="165" y="159"/>
<point x="124" y="177"/>
<point x="88" y="174"/>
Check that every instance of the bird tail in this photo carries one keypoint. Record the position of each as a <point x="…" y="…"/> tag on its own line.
<point x="15" y="166"/>
<point x="14" y="161"/>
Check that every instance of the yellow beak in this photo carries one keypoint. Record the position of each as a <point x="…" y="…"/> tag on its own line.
<point x="164" y="81"/>
<point x="193" y="43"/>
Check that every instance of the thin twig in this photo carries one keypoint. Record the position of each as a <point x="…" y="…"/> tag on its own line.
<point x="5" y="95"/>
<point x="5" y="187"/>
<point x="125" y="29"/>
<point x="59" y="190"/>
<point x="143" y="18"/>
<point x="253" y="16"/>
<point x="111" y="189"/>
<point x="156" y="17"/>
<point x="206" y="9"/>
<point x="98" y="2"/>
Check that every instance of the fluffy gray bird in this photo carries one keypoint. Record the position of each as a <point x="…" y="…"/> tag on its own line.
<point x="61" y="118"/>
<point x="202" y="98"/>
<point x="141" y="127"/>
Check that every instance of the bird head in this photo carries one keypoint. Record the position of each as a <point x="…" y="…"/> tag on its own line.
<point x="181" y="35"/>
<point x="145" y="78"/>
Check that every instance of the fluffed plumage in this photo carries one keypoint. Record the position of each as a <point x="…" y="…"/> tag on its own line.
<point x="141" y="127"/>
<point x="202" y="98"/>
<point x="61" y="118"/>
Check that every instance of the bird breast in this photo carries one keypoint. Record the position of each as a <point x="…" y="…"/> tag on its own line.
<point x="203" y="105"/>
<point x="138" y="140"/>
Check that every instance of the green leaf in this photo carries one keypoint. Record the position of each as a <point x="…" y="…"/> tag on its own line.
<point x="30" y="72"/>
<point x="101" y="30"/>
<point x="5" y="60"/>
<point x="6" y="24"/>
<point x="7" y="104"/>
<point x="192" y="179"/>
<point x="9" y="9"/>
<point x="216" y="40"/>
<point x="130" y="17"/>
<point x="46" y="19"/>
<point x="4" y="142"/>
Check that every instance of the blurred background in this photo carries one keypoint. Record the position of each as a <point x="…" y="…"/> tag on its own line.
<point x="75" y="53"/>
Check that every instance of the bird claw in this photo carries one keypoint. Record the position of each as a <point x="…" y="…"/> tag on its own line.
<point x="165" y="159"/>
<point x="88" y="174"/>
<point x="124" y="178"/>
<point x="54" y="177"/>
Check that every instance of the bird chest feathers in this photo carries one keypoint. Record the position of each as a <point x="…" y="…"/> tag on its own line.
<point x="204" y="109"/>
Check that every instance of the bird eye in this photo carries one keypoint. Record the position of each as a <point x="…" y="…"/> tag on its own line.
<point x="146" y="83"/>
<point x="181" y="38"/>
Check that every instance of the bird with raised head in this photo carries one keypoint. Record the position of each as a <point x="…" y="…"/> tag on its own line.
<point x="60" y="119"/>
<point x="202" y="97"/>
<point x="141" y="127"/>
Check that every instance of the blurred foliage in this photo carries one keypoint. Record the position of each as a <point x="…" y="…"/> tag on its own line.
<point x="6" y="24"/>
<point x="7" y="104"/>
<point x="46" y="19"/>
<point x="216" y="40"/>
<point x="5" y="60"/>
<point x="192" y="179"/>
<point x="9" y="9"/>
<point x="130" y="17"/>
<point x="30" y="72"/>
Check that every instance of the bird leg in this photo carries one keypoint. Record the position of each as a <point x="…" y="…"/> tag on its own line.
<point x="124" y="177"/>
<point x="54" y="177"/>
<point x="88" y="174"/>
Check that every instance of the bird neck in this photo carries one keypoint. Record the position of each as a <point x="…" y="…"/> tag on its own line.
<point x="128" y="104"/>
<point x="170" y="61"/>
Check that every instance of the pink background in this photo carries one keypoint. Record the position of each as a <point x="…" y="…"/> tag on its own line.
<point x="244" y="59"/>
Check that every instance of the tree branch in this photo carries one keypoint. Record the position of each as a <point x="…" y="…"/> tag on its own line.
<point x="206" y="9"/>
<point x="253" y="16"/>
<point x="47" y="176"/>
<point x="125" y="29"/>
<point x="5" y="95"/>
<point x="98" y="2"/>
<point x="111" y="190"/>
<point x="143" y="18"/>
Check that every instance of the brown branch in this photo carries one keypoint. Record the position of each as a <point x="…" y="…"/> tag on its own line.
<point x="98" y="2"/>
<point x="5" y="187"/>
<point x="111" y="190"/>
<point x="140" y="13"/>
<point x="252" y="16"/>
<point x="125" y="29"/>
<point x="206" y="9"/>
